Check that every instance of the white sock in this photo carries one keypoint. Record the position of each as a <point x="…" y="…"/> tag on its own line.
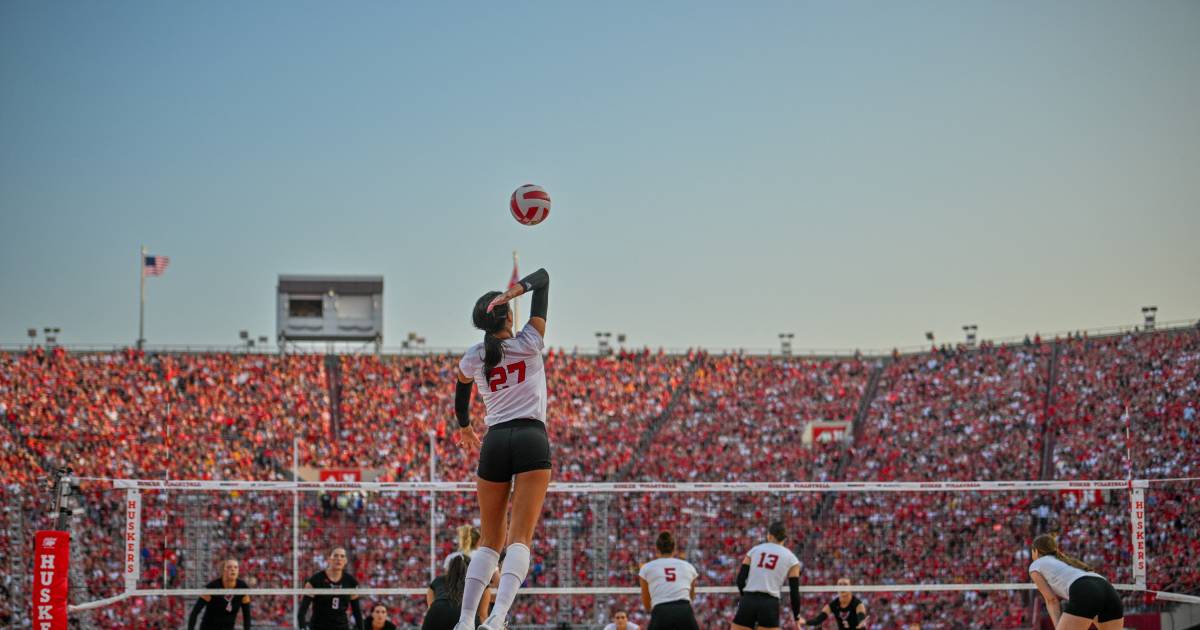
<point x="479" y="575"/>
<point x="512" y="574"/>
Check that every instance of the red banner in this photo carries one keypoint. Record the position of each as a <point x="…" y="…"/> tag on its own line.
<point x="51" y="561"/>
<point x="341" y="474"/>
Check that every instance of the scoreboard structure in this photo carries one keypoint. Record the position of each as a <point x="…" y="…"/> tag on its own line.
<point x="329" y="309"/>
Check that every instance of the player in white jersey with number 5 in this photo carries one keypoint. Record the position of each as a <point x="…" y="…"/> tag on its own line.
<point x="668" y="586"/>
<point x="760" y="580"/>
<point x="514" y="458"/>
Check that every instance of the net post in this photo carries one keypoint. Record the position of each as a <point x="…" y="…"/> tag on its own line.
<point x="133" y="538"/>
<point x="432" y="506"/>
<point x="1137" y="519"/>
<point x="295" y="529"/>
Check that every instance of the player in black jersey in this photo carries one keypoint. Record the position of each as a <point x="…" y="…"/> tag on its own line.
<point x="848" y="611"/>
<point x="221" y="611"/>
<point x="379" y="619"/>
<point x="329" y="611"/>
<point x="444" y="597"/>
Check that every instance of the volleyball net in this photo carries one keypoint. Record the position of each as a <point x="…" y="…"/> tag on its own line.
<point x="918" y="548"/>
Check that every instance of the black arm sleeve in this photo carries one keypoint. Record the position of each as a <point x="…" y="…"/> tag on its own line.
<point x="305" y="602"/>
<point x="356" y="612"/>
<point x="539" y="283"/>
<point x="816" y="621"/>
<point x="462" y="402"/>
<point x="742" y="576"/>
<point x="195" y="613"/>
<point x="246" y="615"/>
<point x="794" y="592"/>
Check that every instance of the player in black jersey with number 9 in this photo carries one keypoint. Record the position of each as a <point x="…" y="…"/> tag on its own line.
<point x="515" y="454"/>
<point x="329" y="611"/>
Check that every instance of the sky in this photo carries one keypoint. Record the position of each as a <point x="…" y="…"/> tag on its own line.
<point x="856" y="173"/>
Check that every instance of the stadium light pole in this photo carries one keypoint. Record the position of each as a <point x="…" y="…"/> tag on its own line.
<point x="602" y="343"/>
<point x="32" y="332"/>
<point x="785" y="343"/>
<point x="1149" y="314"/>
<point x="969" y="330"/>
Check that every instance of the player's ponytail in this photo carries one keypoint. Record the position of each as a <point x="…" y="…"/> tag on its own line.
<point x="665" y="543"/>
<point x="468" y="539"/>
<point x="1047" y="545"/>
<point x="456" y="579"/>
<point x="490" y="323"/>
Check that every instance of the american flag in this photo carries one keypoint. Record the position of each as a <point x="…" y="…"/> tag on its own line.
<point x="154" y="265"/>
<point x="515" y="279"/>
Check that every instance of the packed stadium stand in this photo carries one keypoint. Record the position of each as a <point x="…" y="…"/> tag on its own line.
<point x="1052" y="409"/>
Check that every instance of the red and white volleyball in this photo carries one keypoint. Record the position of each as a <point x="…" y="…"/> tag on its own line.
<point x="530" y="204"/>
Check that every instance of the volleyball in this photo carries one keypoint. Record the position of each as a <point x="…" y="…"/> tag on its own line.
<point x="530" y="205"/>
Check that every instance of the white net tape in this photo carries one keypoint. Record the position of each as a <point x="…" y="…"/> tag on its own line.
<point x="610" y="590"/>
<point x="635" y="486"/>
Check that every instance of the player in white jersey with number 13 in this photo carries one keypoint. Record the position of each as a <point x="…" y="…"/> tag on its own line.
<point x="668" y="586"/>
<point x="514" y="458"/>
<point x="760" y="580"/>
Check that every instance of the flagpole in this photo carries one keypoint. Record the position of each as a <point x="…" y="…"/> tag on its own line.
<point x="141" y="340"/>
<point x="516" y="304"/>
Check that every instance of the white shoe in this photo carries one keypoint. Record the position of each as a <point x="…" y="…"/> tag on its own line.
<point x="493" y="623"/>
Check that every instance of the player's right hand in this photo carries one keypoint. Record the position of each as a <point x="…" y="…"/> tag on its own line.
<point x="800" y="622"/>
<point x="467" y="437"/>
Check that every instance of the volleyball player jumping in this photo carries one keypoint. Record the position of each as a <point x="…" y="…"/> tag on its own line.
<point x="515" y="454"/>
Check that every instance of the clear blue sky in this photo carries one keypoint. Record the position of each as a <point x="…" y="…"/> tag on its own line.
<point x="854" y="172"/>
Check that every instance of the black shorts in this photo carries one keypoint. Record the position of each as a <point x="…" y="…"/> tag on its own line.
<point x="513" y="447"/>
<point x="757" y="609"/>
<point x="442" y="615"/>
<point x="673" y="616"/>
<point x="1092" y="596"/>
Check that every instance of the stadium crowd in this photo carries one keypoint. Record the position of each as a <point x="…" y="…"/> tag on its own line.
<point x="1025" y="411"/>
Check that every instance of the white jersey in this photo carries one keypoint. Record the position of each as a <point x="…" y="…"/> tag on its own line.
<point x="670" y="580"/>
<point x="769" y="566"/>
<point x="1059" y="575"/>
<point x="516" y="388"/>
<point x="628" y="626"/>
